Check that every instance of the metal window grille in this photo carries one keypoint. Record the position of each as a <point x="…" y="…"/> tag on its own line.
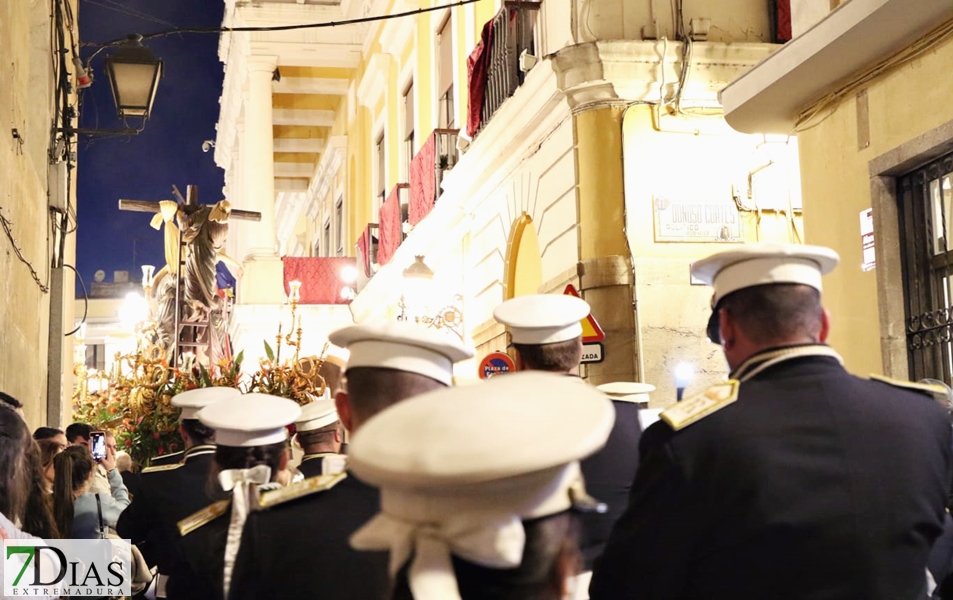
<point x="926" y="221"/>
<point x="513" y="32"/>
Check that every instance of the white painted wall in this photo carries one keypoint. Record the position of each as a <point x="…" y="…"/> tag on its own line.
<point x="806" y="13"/>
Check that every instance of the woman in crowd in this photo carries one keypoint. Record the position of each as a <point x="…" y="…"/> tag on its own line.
<point x="80" y="514"/>
<point x="48" y="451"/>
<point x="38" y="516"/>
<point x="15" y="442"/>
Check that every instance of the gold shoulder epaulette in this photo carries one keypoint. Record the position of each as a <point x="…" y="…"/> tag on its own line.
<point x="937" y="391"/>
<point x="206" y="515"/>
<point x="294" y="491"/>
<point x="162" y="468"/>
<point x="684" y="413"/>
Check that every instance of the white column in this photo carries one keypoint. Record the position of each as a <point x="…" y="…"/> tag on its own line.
<point x="258" y="155"/>
<point x="235" y="245"/>
<point x="263" y="281"/>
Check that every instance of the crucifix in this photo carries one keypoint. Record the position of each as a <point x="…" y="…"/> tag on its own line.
<point x="191" y="313"/>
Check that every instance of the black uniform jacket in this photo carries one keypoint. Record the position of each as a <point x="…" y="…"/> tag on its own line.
<point x="167" y="459"/>
<point x="165" y="497"/>
<point x="312" y="464"/>
<point x="813" y="484"/>
<point x="202" y="574"/>
<point x="608" y="475"/>
<point x="299" y="549"/>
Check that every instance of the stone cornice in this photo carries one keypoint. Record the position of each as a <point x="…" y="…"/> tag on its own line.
<point x="374" y="82"/>
<point x="620" y="72"/>
<point x="397" y="32"/>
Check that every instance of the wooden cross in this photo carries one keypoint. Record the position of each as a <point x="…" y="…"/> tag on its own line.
<point x="192" y="200"/>
<point x="187" y="205"/>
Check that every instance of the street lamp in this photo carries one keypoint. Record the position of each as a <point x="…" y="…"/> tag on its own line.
<point x="683" y="376"/>
<point x="417" y="278"/>
<point x="134" y="74"/>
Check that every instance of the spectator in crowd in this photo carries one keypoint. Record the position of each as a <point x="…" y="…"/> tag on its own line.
<point x="78" y="434"/>
<point x="80" y="513"/>
<point x="15" y="481"/>
<point x="38" y="516"/>
<point x="12" y="403"/>
<point x="127" y="471"/>
<point x="51" y="433"/>
<point x="48" y="450"/>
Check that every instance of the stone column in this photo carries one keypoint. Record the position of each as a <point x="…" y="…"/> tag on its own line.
<point x="258" y="146"/>
<point x="263" y="281"/>
<point x="605" y="263"/>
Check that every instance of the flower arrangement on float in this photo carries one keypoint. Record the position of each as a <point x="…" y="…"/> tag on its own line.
<point x="136" y="403"/>
<point x="134" y="400"/>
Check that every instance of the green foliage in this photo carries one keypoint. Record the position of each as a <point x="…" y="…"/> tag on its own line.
<point x="141" y="415"/>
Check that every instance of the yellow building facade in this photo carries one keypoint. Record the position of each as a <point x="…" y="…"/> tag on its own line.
<point x="875" y="130"/>
<point x="601" y="161"/>
<point x="37" y="292"/>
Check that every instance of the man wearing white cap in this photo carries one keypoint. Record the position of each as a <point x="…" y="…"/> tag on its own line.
<point x="388" y="363"/>
<point x="546" y="333"/>
<point x="171" y="492"/>
<point x="319" y="433"/>
<point x="482" y="505"/>
<point x="251" y="433"/>
<point x="793" y="479"/>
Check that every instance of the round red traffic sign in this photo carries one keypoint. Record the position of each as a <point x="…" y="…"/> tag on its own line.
<point x="496" y="363"/>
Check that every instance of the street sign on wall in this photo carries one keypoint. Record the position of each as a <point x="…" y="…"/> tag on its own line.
<point x="495" y="363"/>
<point x="591" y="332"/>
<point x="696" y="220"/>
<point x="592" y="353"/>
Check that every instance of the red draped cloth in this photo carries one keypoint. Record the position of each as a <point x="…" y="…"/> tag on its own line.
<point x="784" y="20"/>
<point x="364" y="251"/>
<point x="320" y="278"/>
<point x="423" y="182"/>
<point x="389" y="232"/>
<point x="478" y="65"/>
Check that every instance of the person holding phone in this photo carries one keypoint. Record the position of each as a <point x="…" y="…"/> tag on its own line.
<point x="80" y="512"/>
<point x="83" y="434"/>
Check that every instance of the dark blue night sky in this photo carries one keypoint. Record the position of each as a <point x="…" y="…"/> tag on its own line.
<point x="168" y="151"/>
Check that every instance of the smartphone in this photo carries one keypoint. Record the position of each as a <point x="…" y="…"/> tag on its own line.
<point x="97" y="443"/>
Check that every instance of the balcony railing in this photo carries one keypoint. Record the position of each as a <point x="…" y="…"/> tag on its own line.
<point x="501" y="68"/>
<point x="437" y="156"/>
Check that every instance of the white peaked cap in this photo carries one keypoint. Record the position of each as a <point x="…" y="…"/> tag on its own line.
<point x="192" y="401"/>
<point x="316" y="415"/>
<point x="751" y="265"/>
<point x="627" y="391"/>
<point x="467" y="465"/>
<point x="543" y="318"/>
<point x="403" y="346"/>
<point x="250" y="419"/>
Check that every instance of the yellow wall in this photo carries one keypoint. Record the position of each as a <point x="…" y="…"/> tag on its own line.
<point x="26" y="104"/>
<point x="672" y="313"/>
<point x="835" y="182"/>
